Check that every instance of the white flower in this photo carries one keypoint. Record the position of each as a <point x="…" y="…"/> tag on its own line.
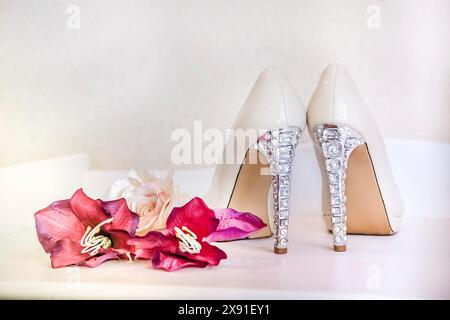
<point x="152" y="197"/>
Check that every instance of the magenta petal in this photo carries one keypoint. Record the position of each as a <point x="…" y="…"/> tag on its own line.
<point x="209" y="254"/>
<point x="89" y="211"/>
<point x="170" y="262"/>
<point x="56" y="222"/>
<point x="144" y="254"/>
<point x="119" y="239"/>
<point x="97" y="260"/>
<point x="123" y="218"/>
<point x="67" y="252"/>
<point x="194" y="215"/>
<point x="234" y="225"/>
<point x="144" y="247"/>
<point x="154" y="240"/>
<point x="229" y="234"/>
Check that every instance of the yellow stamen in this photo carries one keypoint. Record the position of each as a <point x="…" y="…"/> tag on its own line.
<point x="189" y="231"/>
<point x="188" y="240"/>
<point x="91" y="243"/>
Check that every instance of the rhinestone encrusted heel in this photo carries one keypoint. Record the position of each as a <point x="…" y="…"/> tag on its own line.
<point x="359" y="192"/>
<point x="337" y="143"/>
<point x="278" y="146"/>
<point x="271" y="114"/>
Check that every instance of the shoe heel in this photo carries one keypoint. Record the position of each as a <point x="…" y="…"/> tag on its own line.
<point x="337" y="143"/>
<point x="278" y="146"/>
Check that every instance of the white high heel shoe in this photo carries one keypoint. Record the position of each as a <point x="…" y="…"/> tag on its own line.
<point x="273" y="109"/>
<point x="360" y="195"/>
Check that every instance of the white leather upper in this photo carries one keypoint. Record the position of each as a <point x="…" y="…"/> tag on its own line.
<point x="336" y="100"/>
<point x="272" y="103"/>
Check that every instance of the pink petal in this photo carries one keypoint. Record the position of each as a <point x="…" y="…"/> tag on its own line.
<point x="97" y="260"/>
<point x="209" y="254"/>
<point x="194" y="215"/>
<point x="89" y="211"/>
<point x="234" y="225"/>
<point x="170" y="262"/>
<point x="119" y="239"/>
<point x="155" y="243"/>
<point x="145" y="246"/>
<point x="144" y="254"/>
<point x="123" y="218"/>
<point x="56" y="222"/>
<point x="67" y="252"/>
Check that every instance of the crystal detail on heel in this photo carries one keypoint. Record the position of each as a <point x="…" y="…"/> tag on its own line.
<point x="278" y="146"/>
<point x="337" y="143"/>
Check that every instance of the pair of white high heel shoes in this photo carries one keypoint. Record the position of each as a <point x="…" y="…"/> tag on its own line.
<point x="359" y="193"/>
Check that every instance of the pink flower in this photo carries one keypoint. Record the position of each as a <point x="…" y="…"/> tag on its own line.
<point x="234" y="225"/>
<point x="86" y="232"/>
<point x="182" y="243"/>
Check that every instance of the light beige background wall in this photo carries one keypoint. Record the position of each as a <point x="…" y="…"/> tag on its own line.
<point x="135" y="70"/>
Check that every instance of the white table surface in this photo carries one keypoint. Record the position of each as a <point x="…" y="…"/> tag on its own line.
<point x="411" y="264"/>
<point x="415" y="263"/>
